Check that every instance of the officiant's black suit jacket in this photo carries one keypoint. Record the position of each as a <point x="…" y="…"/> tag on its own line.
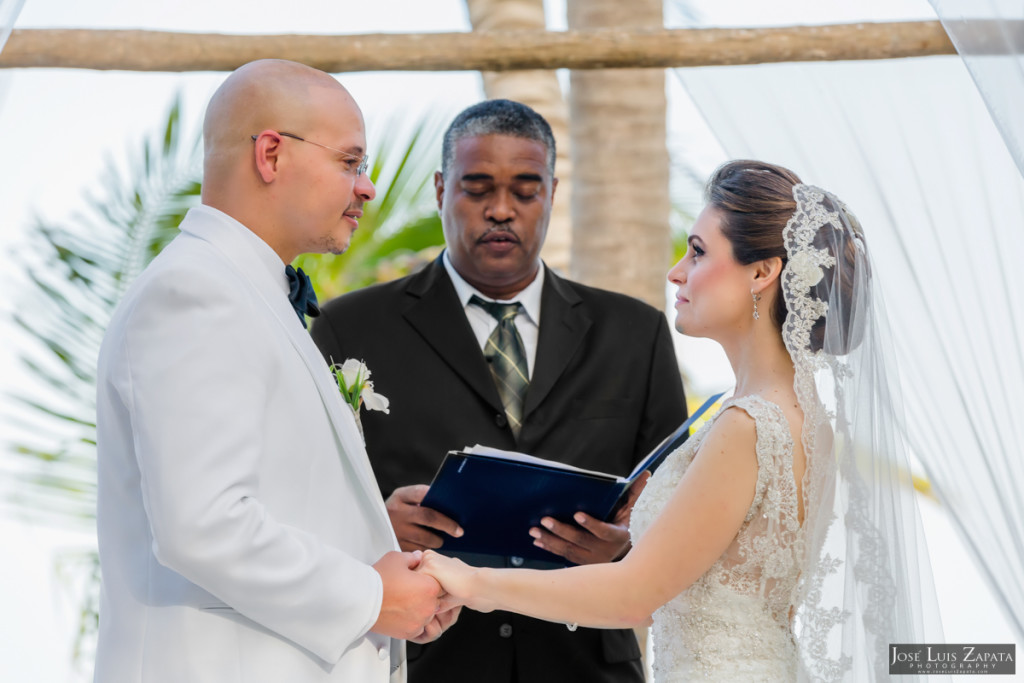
<point x="605" y="390"/>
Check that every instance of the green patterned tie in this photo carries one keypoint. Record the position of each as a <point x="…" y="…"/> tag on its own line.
<point x="505" y="353"/>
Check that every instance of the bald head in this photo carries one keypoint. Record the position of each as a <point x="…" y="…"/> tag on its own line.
<point x="269" y="93"/>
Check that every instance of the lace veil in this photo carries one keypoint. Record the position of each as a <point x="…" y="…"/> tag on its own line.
<point x="865" y="581"/>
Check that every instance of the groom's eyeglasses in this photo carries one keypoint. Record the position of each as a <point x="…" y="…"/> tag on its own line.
<point x="363" y="162"/>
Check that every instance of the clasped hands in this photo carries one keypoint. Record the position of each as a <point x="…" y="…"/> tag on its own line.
<point x="414" y="606"/>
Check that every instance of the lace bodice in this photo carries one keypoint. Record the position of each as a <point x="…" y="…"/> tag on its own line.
<point x="733" y="623"/>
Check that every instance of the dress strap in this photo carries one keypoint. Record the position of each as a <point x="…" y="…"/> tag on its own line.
<point x="774" y="445"/>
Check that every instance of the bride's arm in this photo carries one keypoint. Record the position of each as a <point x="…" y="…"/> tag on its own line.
<point x="696" y="526"/>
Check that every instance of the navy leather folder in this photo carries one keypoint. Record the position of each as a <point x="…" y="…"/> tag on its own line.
<point x="496" y="497"/>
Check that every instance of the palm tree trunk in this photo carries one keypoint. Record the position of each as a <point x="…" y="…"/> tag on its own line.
<point x="540" y="90"/>
<point x="621" y="238"/>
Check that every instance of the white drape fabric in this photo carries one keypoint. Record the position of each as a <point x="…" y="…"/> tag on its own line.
<point x="909" y="146"/>
<point x="989" y="36"/>
<point x="9" y="11"/>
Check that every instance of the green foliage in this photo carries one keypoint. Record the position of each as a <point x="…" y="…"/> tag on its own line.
<point x="78" y="272"/>
<point x="679" y="233"/>
<point x="687" y="199"/>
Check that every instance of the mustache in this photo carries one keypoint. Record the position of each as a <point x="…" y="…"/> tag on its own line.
<point x="499" y="232"/>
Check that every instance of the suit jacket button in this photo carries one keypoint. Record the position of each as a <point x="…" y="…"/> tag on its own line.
<point x="383" y="654"/>
<point x="501" y="420"/>
<point x="505" y="631"/>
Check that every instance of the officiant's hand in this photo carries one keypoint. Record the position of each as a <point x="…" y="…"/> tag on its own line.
<point x="413" y="523"/>
<point x="597" y="541"/>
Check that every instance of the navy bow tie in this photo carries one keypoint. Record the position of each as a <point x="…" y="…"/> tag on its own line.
<point x="301" y="294"/>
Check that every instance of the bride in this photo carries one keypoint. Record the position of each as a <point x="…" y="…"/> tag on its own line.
<point x="778" y="543"/>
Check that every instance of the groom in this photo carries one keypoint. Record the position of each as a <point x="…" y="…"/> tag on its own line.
<point x="242" y="536"/>
<point x="603" y="387"/>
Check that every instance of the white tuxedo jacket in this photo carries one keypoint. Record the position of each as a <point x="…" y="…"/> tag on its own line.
<point x="238" y="516"/>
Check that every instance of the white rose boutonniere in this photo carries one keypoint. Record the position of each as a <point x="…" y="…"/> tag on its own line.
<point x="356" y="389"/>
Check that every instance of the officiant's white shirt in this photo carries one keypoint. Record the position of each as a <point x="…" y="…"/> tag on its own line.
<point x="238" y="516"/>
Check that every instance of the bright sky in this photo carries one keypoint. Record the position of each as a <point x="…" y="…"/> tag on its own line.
<point x="61" y="126"/>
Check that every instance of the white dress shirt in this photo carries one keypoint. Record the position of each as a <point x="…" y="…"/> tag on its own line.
<point x="483" y="323"/>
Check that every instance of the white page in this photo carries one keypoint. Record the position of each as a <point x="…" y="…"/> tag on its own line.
<point x="534" y="460"/>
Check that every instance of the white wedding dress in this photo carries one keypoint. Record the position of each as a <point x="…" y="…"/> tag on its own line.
<point x="733" y="623"/>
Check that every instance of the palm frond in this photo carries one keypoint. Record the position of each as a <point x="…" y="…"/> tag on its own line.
<point x="77" y="274"/>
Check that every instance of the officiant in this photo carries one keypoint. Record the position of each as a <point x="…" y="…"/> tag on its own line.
<point x="487" y="345"/>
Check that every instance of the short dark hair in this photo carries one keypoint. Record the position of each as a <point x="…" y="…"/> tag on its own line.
<point x="497" y="117"/>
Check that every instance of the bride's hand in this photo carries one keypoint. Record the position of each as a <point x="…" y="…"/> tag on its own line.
<point x="457" y="579"/>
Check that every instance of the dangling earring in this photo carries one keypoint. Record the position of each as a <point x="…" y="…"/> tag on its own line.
<point x="757" y="297"/>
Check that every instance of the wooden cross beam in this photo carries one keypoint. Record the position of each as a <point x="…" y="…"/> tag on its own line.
<point x="476" y="51"/>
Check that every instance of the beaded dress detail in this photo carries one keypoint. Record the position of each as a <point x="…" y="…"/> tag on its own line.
<point x="733" y="623"/>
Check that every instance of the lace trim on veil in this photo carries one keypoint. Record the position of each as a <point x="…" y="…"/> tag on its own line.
<point x="827" y="442"/>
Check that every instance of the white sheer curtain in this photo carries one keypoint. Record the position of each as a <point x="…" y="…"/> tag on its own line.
<point x="989" y="35"/>
<point x="909" y="146"/>
<point x="9" y="11"/>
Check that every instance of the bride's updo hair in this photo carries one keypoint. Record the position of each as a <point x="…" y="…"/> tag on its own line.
<point x="755" y="202"/>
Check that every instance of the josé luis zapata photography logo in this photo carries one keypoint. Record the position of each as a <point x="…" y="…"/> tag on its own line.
<point x="952" y="659"/>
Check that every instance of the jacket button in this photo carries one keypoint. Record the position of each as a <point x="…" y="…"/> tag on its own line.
<point x="383" y="654"/>
<point x="505" y="631"/>
<point x="501" y="420"/>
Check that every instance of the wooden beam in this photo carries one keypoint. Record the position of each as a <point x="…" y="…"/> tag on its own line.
<point x="477" y="51"/>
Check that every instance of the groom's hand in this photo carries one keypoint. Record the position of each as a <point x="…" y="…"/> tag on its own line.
<point x="597" y="541"/>
<point x="413" y="523"/>
<point x="411" y="599"/>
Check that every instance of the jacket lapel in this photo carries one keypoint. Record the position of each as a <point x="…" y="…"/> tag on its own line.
<point x="434" y="312"/>
<point x="564" y="325"/>
<point x="239" y="254"/>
